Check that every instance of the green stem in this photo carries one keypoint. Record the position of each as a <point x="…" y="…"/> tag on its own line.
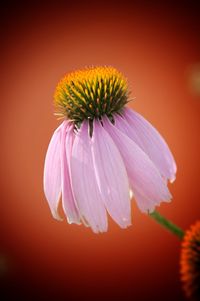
<point x="167" y="224"/>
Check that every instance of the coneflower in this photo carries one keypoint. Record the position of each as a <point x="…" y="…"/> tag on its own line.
<point x="102" y="151"/>
<point x="190" y="255"/>
<point x="190" y="262"/>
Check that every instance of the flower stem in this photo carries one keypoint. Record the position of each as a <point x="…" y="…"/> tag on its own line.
<point x="167" y="224"/>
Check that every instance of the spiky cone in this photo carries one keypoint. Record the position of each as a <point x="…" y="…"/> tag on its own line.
<point x="91" y="93"/>
<point x="190" y="262"/>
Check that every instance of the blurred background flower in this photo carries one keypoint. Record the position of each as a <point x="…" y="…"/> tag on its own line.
<point x="190" y="262"/>
<point x="190" y="254"/>
<point x="193" y="74"/>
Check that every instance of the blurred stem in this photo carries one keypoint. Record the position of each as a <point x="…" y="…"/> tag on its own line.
<point x="167" y="224"/>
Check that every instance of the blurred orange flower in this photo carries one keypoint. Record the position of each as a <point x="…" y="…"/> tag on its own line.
<point x="190" y="262"/>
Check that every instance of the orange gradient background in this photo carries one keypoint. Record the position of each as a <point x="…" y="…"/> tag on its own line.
<point x="157" y="47"/>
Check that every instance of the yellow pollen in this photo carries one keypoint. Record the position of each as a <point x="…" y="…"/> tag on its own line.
<point x="91" y="93"/>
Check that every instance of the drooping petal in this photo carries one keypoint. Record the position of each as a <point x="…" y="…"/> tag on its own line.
<point x="144" y="203"/>
<point x="152" y="143"/>
<point x="68" y="201"/>
<point x="144" y="177"/>
<point x="52" y="173"/>
<point x="111" y="175"/>
<point x="84" y="182"/>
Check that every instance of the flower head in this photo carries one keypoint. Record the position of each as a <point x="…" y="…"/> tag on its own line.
<point x="102" y="151"/>
<point x="91" y="93"/>
<point x="190" y="262"/>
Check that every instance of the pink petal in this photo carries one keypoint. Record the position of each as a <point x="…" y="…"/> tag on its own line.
<point x="68" y="201"/>
<point x="52" y="173"/>
<point x="84" y="183"/>
<point x="144" y="203"/>
<point x="150" y="141"/>
<point x="145" y="180"/>
<point x="111" y="176"/>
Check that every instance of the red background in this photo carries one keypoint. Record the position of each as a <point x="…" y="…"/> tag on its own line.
<point x="158" y="48"/>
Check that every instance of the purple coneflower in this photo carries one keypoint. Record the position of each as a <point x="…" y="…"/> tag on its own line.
<point x="103" y="151"/>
